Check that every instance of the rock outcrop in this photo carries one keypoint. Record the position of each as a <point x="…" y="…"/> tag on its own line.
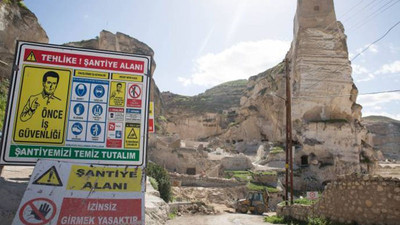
<point x="328" y="135"/>
<point x="385" y="135"/>
<point x="16" y="23"/>
<point x="205" y="115"/>
<point x="124" y="43"/>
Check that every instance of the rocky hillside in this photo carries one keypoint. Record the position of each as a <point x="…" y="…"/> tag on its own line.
<point x="16" y="23"/>
<point x="385" y="134"/>
<point x="205" y="115"/>
<point x="213" y="100"/>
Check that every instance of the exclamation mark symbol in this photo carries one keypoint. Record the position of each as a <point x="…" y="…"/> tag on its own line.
<point x="50" y="175"/>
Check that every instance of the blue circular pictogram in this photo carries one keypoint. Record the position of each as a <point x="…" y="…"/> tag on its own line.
<point x="80" y="90"/>
<point x="79" y="109"/>
<point x="97" y="110"/>
<point x="77" y="128"/>
<point x="95" y="130"/>
<point x="98" y="91"/>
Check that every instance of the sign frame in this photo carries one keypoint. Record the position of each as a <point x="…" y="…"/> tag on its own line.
<point x="22" y="48"/>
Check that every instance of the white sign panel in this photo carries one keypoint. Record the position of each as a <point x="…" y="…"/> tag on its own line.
<point x="68" y="193"/>
<point x="65" y="100"/>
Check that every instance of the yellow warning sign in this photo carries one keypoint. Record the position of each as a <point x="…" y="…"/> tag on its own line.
<point x="132" y="135"/>
<point x="127" y="77"/>
<point x="151" y="109"/>
<point x="86" y="178"/>
<point x="117" y="94"/>
<point x="31" y="57"/>
<point x="91" y="74"/>
<point x="50" y="177"/>
<point x="42" y="105"/>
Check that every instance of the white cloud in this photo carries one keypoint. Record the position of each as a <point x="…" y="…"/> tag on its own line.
<point x="237" y="62"/>
<point x="380" y="104"/>
<point x="364" y="78"/>
<point x="393" y="67"/>
<point x="374" y="100"/>
<point x="373" y="48"/>
<point x="357" y="69"/>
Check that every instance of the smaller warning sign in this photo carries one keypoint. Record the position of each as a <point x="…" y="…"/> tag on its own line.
<point x="116" y="114"/>
<point x="50" y="177"/>
<point x="37" y="211"/>
<point x="31" y="57"/>
<point x="114" y="135"/>
<point x="134" y="96"/>
<point x="105" y="179"/>
<point x="151" y="118"/>
<point x="132" y="135"/>
<point x="100" y="211"/>
<point x="117" y="94"/>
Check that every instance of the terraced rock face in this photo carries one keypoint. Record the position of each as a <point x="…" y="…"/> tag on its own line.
<point x="329" y="138"/>
<point x="204" y="115"/>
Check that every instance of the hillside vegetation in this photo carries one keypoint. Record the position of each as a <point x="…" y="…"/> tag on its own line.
<point x="3" y="100"/>
<point x="214" y="100"/>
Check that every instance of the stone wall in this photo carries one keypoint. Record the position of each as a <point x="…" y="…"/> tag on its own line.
<point x="239" y="162"/>
<point x="363" y="199"/>
<point x="198" y="181"/>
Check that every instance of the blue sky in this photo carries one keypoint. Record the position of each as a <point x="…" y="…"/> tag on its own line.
<point x="201" y="43"/>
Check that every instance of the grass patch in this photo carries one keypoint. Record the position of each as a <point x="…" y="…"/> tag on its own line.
<point x="238" y="175"/>
<point x="276" y="150"/>
<point x="304" y="201"/>
<point x="310" y="221"/>
<point x="172" y="214"/>
<point x="257" y="187"/>
<point x="3" y="100"/>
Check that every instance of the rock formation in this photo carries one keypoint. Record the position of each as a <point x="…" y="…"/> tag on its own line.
<point x="205" y="115"/>
<point x="123" y="43"/>
<point x="16" y="23"/>
<point x="328" y="135"/>
<point x="385" y="135"/>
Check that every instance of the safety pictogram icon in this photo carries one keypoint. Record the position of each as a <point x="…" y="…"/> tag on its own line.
<point x="31" y="57"/>
<point x="50" y="177"/>
<point x="132" y="134"/>
<point x="38" y="211"/>
<point x="135" y="91"/>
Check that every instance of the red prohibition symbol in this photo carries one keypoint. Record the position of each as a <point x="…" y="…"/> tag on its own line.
<point x="38" y="211"/>
<point x="135" y="91"/>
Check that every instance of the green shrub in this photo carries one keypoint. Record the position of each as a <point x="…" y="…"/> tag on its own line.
<point x="304" y="201"/>
<point x="274" y="219"/>
<point x="3" y="100"/>
<point x="162" y="178"/>
<point x="153" y="183"/>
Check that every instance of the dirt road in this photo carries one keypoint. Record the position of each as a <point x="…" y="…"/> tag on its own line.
<point x="222" y="219"/>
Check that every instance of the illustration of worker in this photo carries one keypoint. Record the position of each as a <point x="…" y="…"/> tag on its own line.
<point x="44" y="98"/>
<point x="117" y="97"/>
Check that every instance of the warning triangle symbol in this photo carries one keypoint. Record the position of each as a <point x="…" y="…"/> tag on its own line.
<point x="50" y="177"/>
<point x="31" y="57"/>
<point x="132" y="134"/>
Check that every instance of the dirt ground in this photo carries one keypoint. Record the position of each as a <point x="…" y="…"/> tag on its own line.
<point x="221" y="219"/>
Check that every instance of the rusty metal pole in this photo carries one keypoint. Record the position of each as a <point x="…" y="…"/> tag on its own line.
<point x="289" y="151"/>
<point x="287" y="131"/>
<point x="289" y="128"/>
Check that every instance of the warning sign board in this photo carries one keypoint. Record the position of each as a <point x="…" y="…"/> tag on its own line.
<point x="50" y="177"/>
<point x="132" y="135"/>
<point x="104" y="179"/>
<point x="42" y="105"/>
<point x="134" y="95"/>
<point x="62" y="100"/>
<point x="151" y="118"/>
<point x="117" y="96"/>
<point x="90" y="194"/>
<point x="37" y="211"/>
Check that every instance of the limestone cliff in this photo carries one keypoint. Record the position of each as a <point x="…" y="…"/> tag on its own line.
<point x="328" y="135"/>
<point x="205" y="115"/>
<point x="16" y="23"/>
